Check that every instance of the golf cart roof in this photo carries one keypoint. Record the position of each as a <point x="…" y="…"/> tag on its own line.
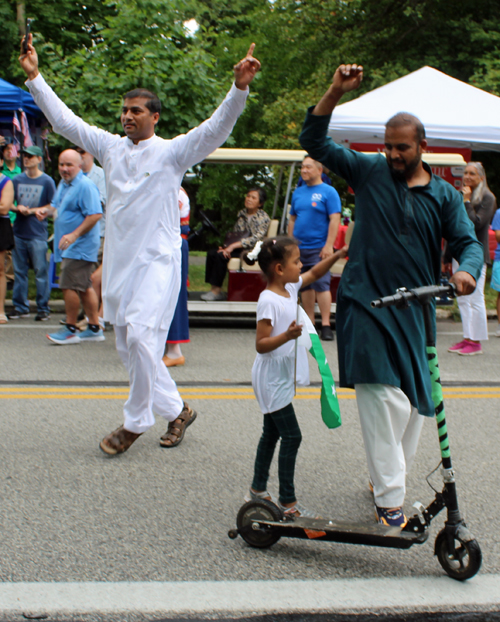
<point x="293" y="156"/>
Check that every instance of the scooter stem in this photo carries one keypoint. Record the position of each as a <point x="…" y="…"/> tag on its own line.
<point x="449" y="492"/>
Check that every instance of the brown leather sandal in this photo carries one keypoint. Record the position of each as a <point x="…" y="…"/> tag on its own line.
<point x="177" y="428"/>
<point x="118" y="441"/>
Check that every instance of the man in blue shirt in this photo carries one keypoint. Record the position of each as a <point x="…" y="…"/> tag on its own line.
<point x="33" y="189"/>
<point x="314" y="221"/>
<point x="495" y="274"/>
<point x="77" y="209"/>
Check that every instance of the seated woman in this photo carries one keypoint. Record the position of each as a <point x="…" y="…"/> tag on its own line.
<point x="251" y="227"/>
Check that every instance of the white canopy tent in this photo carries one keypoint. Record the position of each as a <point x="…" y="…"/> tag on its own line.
<point x="454" y="114"/>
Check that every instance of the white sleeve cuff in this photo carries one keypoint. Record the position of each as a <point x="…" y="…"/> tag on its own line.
<point x="36" y="84"/>
<point x="238" y="93"/>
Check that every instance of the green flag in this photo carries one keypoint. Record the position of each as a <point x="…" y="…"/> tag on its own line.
<point x="330" y="409"/>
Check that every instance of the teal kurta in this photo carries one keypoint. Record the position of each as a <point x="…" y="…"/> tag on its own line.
<point x="396" y="243"/>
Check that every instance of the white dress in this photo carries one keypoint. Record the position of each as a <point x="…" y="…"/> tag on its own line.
<point x="273" y="373"/>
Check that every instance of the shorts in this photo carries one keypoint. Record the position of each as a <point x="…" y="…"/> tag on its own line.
<point x="75" y="274"/>
<point x="495" y="276"/>
<point x="6" y="234"/>
<point x="309" y="258"/>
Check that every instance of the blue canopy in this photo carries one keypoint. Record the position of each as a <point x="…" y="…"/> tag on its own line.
<point x="14" y="98"/>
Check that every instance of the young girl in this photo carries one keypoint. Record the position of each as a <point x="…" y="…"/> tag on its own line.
<point x="275" y="371"/>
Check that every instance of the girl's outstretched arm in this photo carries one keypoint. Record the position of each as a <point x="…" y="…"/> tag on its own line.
<point x="322" y="267"/>
<point x="265" y="343"/>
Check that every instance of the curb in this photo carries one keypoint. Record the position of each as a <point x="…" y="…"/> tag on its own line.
<point x="375" y="596"/>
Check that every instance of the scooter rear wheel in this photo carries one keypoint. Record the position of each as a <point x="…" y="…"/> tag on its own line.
<point x="260" y="537"/>
<point x="465" y="560"/>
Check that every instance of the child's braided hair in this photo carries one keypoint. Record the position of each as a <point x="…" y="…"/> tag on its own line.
<point x="273" y="250"/>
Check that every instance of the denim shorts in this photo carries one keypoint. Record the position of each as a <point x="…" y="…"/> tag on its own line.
<point x="309" y="258"/>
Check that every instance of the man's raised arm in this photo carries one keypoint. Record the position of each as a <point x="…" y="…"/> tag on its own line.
<point x="62" y="119"/>
<point x="201" y="141"/>
<point x="346" y="78"/>
<point x="314" y="136"/>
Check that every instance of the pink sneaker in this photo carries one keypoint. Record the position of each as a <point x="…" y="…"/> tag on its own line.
<point x="458" y="346"/>
<point x="470" y="349"/>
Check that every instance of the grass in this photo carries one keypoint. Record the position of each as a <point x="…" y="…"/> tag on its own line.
<point x="197" y="279"/>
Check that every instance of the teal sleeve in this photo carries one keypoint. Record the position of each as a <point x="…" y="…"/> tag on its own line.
<point x="351" y="165"/>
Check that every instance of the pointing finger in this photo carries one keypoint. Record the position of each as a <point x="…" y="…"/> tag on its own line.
<point x="250" y="50"/>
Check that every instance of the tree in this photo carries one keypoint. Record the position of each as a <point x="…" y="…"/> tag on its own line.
<point x="143" y="45"/>
<point x="73" y="24"/>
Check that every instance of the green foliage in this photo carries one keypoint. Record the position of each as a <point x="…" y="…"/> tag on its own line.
<point x="73" y="24"/>
<point x="143" y="45"/>
<point x="92" y="52"/>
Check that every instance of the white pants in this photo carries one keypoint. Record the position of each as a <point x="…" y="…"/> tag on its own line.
<point x="473" y="309"/>
<point x="391" y="428"/>
<point x="151" y="388"/>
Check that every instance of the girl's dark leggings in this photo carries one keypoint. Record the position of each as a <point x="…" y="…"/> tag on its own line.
<point x="279" y="424"/>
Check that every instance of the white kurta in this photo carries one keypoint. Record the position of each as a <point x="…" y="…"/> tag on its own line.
<point x="274" y="373"/>
<point x="142" y="213"/>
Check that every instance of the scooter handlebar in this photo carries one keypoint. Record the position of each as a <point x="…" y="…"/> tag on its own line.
<point x="423" y="294"/>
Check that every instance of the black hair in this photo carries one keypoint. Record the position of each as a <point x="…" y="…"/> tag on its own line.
<point x="153" y="104"/>
<point x="262" y="194"/>
<point x="405" y="118"/>
<point x="272" y="250"/>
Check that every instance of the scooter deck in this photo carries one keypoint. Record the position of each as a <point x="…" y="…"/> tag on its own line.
<point x="353" y="533"/>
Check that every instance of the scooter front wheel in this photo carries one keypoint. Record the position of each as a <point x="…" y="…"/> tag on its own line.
<point x="249" y="529"/>
<point x="465" y="560"/>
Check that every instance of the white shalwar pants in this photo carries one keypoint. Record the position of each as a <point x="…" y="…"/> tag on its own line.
<point x="151" y="388"/>
<point x="473" y="309"/>
<point x="391" y="428"/>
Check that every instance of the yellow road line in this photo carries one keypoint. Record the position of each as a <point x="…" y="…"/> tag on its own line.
<point x="209" y="393"/>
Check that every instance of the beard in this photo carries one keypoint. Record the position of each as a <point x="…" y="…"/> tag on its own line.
<point x="409" y="167"/>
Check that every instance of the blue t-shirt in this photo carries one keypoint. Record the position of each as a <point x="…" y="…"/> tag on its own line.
<point x="495" y="225"/>
<point x="312" y="206"/>
<point x="30" y="192"/>
<point x="74" y="202"/>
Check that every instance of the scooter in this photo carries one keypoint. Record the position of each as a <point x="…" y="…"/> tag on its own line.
<point x="261" y="523"/>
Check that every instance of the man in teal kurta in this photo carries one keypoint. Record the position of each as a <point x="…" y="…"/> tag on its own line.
<point x="402" y="213"/>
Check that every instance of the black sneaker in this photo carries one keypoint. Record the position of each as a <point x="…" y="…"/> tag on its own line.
<point x="326" y="333"/>
<point x="15" y="315"/>
<point x="42" y="316"/>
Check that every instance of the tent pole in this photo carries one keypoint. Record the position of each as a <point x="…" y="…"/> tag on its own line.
<point x="278" y="188"/>
<point x="288" y="191"/>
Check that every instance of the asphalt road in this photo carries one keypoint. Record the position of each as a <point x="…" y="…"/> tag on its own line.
<point x="70" y="514"/>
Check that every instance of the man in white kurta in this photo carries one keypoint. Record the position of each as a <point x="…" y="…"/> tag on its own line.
<point x="142" y="253"/>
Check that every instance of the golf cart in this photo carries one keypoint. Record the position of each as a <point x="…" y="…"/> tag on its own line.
<point x="245" y="282"/>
